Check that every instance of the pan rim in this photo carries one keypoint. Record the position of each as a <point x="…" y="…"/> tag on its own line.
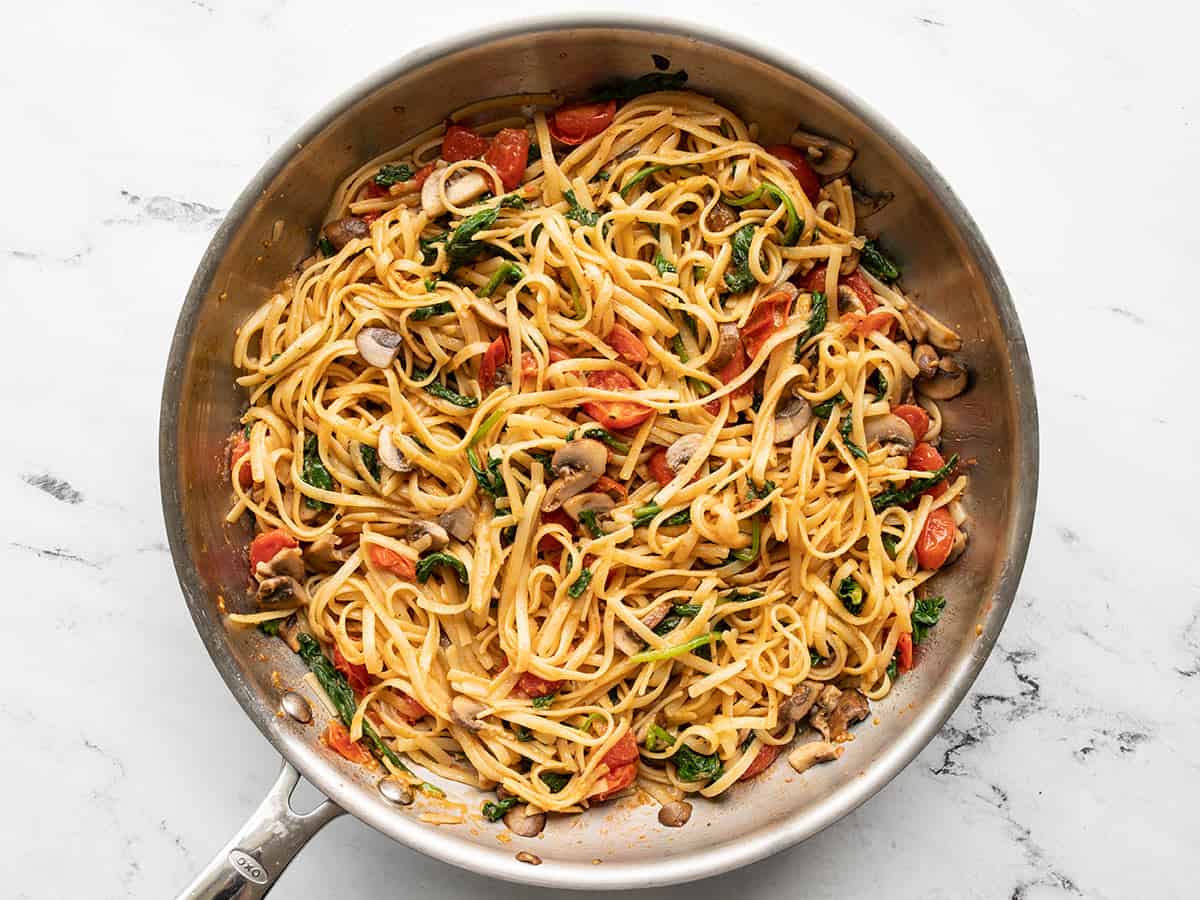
<point x="702" y="862"/>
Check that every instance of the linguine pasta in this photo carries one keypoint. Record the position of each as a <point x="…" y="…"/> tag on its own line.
<point x="753" y="526"/>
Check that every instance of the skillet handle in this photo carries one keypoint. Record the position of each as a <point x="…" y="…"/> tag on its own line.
<point x="246" y="867"/>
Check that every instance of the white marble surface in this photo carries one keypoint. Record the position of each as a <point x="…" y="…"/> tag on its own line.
<point x="1069" y="129"/>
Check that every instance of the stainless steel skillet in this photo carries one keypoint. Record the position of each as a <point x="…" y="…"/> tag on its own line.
<point x="946" y="263"/>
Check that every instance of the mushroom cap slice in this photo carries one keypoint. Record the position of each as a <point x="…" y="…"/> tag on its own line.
<point x="807" y="755"/>
<point x="426" y="535"/>
<point x="867" y="203"/>
<point x="681" y="451"/>
<point x="625" y="640"/>
<point x="580" y="463"/>
<point x="889" y="429"/>
<point x="281" y="592"/>
<point x="378" y="346"/>
<point x="389" y="453"/>
<point x="801" y="701"/>
<point x="728" y="341"/>
<point x="465" y="711"/>
<point x="460" y="187"/>
<point x="524" y="821"/>
<point x="459" y="522"/>
<point x="791" y="419"/>
<point x="342" y="231"/>
<point x="675" y="814"/>
<point x="926" y="359"/>
<point x="592" y="501"/>
<point x="488" y="313"/>
<point x="287" y="562"/>
<point x="323" y="556"/>
<point x="948" y="382"/>
<point x="829" y="158"/>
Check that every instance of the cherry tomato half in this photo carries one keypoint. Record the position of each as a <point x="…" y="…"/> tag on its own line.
<point x="616" y="414"/>
<point x="794" y="159"/>
<point x="936" y="539"/>
<point x="767" y="754"/>
<point x="627" y="344"/>
<point x="904" y="650"/>
<point x="576" y="123"/>
<point x="338" y="738"/>
<point x="658" y="466"/>
<point x="494" y="357"/>
<point x="507" y="155"/>
<point x="924" y="458"/>
<point x="535" y="686"/>
<point x="616" y="780"/>
<point x="462" y="143"/>
<point x="264" y="547"/>
<point x="356" y="674"/>
<point x="917" y="419"/>
<point x="768" y="317"/>
<point x="238" y="449"/>
<point x="396" y="563"/>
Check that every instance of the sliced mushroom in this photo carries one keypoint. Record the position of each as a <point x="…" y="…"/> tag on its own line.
<point x="927" y="327"/>
<point x="342" y="231"/>
<point x="827" y="701"/>
<point x="949" y="381"/>
<point x="827" y="157"/>
<point x="801" y="701"/>
<point x="378" y="346"/>
<point x="866" y="203"/>
<point x="791" y="419"/>
<point x="592" y="501"/>
<point x="852" y="706"/>
<point x="289" y="631"/>
<point x="323" y="556"/>
<point x="926" y="359"/>
<point x="681" y="451"/>
<point x="675" y="814"/>
<point x="461" y="188"/>
<point x="488" y="313"/>
<point x="625" y="640"/>
<point x="425" y="535"/>
<point x="525" y="821"/>
<point x="889" y="430"/>
<point x="807" y="755"/>
<point x="728" y="342"/>
<point x="465" y="711"/>
<point x="389" y="453"/>
<point x="281" y="592"/>
<point x="915" y="323"/>
<point x="958" y="547"/>
<point x="458" y="522"/>
<point x="287" y="562"/>
<point x="849" y="301"/>
<point x="656" y="614"/>
<point x="721" y="216"/>
<point x="578" y="464"/>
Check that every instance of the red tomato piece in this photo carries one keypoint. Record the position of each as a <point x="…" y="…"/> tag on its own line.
<point x="264" y="547"/>
<point x="529" y="365"/>
<point x="422" y="173"/>
<point x="508" y="154"/>
<point x="407" y="707"/>
<point x="494" y="357"/>
<point x="767" y="754"/>
<point x="936" y="540"/>
<point x="623" y="752"/>
<point x="800" y="167"/>
<point x="877" y="321"/>
<point x="612" y="487"/>
<point x="767" y="318"/>
<point x="338" y="738"/>
<point x="376" y="191"/>
<point x="357" y="675"/>
<point x="917" y="419"/>
<point x="858" y="284"/>
<point x="616" y="780"/>
<point x="615" y="414"/>
<point x="732" y="370"/>
<point x="369" y="217"/>
<point x="548" y="544"/>
<point x="904" y="648"/>
<point x="462" y="143"/>
<point x="535" y="686"/>
<point x="394" y="562"/>
<point x="924" y="458"/>
<point x="627" y="344"/>
<point x="576" y="123"/>
<point x="658" y="466"/>
<point x="239" y="448"/>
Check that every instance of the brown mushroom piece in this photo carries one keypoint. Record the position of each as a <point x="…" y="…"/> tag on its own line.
<point x="378" y="346"/>
<point x="323" y="556"/>
<point x="852" y="706"/>
<point x="791" y="419"/>
<point x="682" y="449"/>
<point x="827" y="701"/>
<point x="425" y="535"/>
<point x="807" y="755"/>
<point x="281" y="592"/>
<point x="926" y="359"/>
<point x="828" y="157"/>
<point x="461" y="187"/>
<point x="389" y="453"/>
<point x="488" y="313"/>
<point x="459" y="523"/>
<point x="625" y="640"/>
<point x="342" y="231"/>
<point x="959" y="547"/>
<point x="889" y="431"/>
<point x="465" y="711"/>
<point x="656" y="614"/>
<point x="289" y="632"/>
<point x="675" y="814"/>
<point x="800" y="702"/>
<point x="927" y="328"/>
<point x="592" y="501"/>
<point x="849" y="301"/>
<point x="949" y="381"/>
<point x="721" y="216"/>
<point x="578" y="465"/>
<point x="728" y="342"/>
<point x="523" y="823"/>
<point x="288" y="562"/>
<point x="866" y="203"/>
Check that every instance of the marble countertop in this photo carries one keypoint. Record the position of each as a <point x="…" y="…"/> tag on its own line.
<point x="1068" y="129"/>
